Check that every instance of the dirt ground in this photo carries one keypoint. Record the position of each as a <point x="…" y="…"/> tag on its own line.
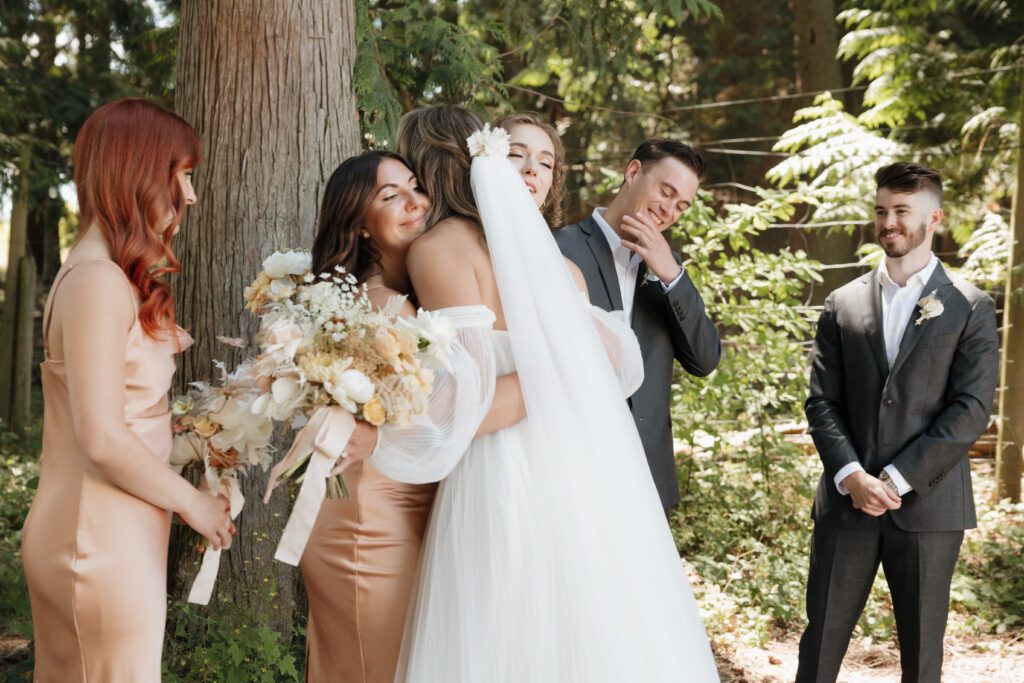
<point x="965" y="662"/>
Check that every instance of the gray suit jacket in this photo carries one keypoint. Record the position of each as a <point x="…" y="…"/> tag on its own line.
<point x="668" y="326"/>
<point x="921" y="416"/>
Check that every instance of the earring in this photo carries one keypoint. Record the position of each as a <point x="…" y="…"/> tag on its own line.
<point x="366" y="235"/>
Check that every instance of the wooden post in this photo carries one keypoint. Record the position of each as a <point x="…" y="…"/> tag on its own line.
<point x="1011" y="372"/>
<point x="23" y="324"/>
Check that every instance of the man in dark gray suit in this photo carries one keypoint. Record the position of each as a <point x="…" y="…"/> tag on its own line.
<point x="903" y="373"/>
<point x="629" y="266"/>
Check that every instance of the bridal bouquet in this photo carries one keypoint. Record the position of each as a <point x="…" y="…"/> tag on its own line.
<point x="216" y="429"/>
<point x="326" y="357"/>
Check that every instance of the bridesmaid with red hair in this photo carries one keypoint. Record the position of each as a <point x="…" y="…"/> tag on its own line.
<point x="95" y="541"/>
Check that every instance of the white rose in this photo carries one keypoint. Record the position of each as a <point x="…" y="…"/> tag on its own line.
<point x="281" y="288"/>
<point x="283" y="263"/>
<point x="286" y="396"/>
<point x="280" y="339"/>
<point x="348" y="388"/>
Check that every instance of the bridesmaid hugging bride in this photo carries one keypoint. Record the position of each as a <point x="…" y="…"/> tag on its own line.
<point x="543" y="554"/>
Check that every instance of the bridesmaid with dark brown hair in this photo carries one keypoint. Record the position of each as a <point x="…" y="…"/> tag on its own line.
<point x="361" y="559"/>
<point x="361" y="556"/>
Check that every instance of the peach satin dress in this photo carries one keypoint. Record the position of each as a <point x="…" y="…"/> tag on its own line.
<point x="95" y="556"/>
<point x="359" y="567"/>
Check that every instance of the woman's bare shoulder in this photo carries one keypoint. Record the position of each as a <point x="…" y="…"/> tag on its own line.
<point x="453" y="232"/>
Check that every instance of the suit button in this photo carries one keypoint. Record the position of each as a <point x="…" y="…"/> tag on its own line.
<point x="887" y="402"/>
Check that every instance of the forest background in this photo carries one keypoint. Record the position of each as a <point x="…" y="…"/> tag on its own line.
<point x="794" y="103"/>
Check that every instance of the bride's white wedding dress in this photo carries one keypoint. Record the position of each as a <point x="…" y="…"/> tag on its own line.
<point x="548" y="557"/>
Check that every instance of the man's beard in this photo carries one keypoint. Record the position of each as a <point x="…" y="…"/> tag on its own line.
<point x="912" y="241"/>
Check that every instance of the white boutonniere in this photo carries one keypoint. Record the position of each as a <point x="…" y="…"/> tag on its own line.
<point x="651" y="277"/>
<point x="930" y="307"/>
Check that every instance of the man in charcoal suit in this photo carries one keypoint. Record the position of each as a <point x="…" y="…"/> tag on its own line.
<point x="903" y="373"/>
<point x="629" y="266"/>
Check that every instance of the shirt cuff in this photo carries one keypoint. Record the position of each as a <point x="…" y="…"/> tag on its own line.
<point x="902" y="487"/>
<point x="669" y="286"/>
<point x="846" y="471"/>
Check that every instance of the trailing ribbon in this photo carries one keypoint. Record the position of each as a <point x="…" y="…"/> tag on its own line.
<point x="322" y="441"/>
<point x="202" y="586"/>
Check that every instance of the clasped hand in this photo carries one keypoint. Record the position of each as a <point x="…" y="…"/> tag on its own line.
<point x="870" y="494"/>
<point x="641" y="236"/>
<point x="360" y="446"/>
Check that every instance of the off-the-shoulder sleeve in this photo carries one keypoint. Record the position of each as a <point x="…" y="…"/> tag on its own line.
<point x="429" y="448"/>
<point x="622" y="346"/>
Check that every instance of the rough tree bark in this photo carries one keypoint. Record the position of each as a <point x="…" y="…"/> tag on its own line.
<point x="817" y="39"/>
<point x="268" y="85"/>
<point x="14" y="393"/>
<point x="1011" y="375"/>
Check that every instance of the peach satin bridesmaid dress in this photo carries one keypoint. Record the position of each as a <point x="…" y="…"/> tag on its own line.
<point x="95" y="556"/>
<point x="359" y="567"/>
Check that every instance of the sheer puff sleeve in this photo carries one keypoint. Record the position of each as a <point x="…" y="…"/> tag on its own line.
<point x="429" y="448"/>
<point x="623" y="349"/>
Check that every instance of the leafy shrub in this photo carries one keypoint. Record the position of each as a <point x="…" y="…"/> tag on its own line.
<point x="19" y="475"/>
<point x="228" y="646"/>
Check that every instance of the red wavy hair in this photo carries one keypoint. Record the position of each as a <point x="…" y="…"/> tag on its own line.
<point x="126" y="157"/>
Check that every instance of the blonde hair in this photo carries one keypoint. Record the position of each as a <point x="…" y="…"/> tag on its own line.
<point x="554" y="203"/>
<point x="433" y="139"/>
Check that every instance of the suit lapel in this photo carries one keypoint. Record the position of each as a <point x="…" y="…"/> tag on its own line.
<point x="639" y="292"/>
<point x="912" y="335"/>
<point x="872" y="307"/>
<point x="603" y="257"/>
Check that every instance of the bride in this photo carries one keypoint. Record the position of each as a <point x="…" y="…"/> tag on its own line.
<point x="547" y="556"/>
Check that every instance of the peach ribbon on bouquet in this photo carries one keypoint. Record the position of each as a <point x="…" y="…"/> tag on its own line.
<point x="322" y="441"/>
<point x="202" y="585"/>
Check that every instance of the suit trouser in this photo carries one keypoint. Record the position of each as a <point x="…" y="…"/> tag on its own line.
<point x="918" y="567"/>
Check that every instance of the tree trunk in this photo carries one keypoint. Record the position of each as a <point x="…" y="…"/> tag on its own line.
<point x="268" y="85"/>
<point x="44" y="233"/>
<point x="817" y="39"/>
<point x="1011" y="372"/>
<point x="10" y="340"/>
<point x="818" y="68"/>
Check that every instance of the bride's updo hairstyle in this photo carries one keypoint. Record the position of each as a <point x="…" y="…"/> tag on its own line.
<point x="126" y="156"/>
<point x="433" y="139"/>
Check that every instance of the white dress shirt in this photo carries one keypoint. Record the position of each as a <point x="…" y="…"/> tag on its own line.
<point x="627" y="264"/>
<point x="898" y="304"/>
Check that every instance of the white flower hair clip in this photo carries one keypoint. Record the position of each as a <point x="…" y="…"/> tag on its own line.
<point x="930" y="306"/>
<point x="489" y="142"/>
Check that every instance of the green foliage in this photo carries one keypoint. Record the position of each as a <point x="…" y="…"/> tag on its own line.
<point x="229" y="646"/>
<point x="755" y="297"/>
<point x="989" y="586"/>
<point x="19" y="476"/>
<point x="746" y="531"/>
<point x="414" y="52"/>
<point x="87" y="51"/>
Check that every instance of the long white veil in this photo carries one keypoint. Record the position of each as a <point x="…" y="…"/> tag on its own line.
<point x="605" y="568"/>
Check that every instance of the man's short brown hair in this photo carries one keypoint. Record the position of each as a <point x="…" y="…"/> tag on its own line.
<point x="654" y="150"/>
<point x="907" y="177"/>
